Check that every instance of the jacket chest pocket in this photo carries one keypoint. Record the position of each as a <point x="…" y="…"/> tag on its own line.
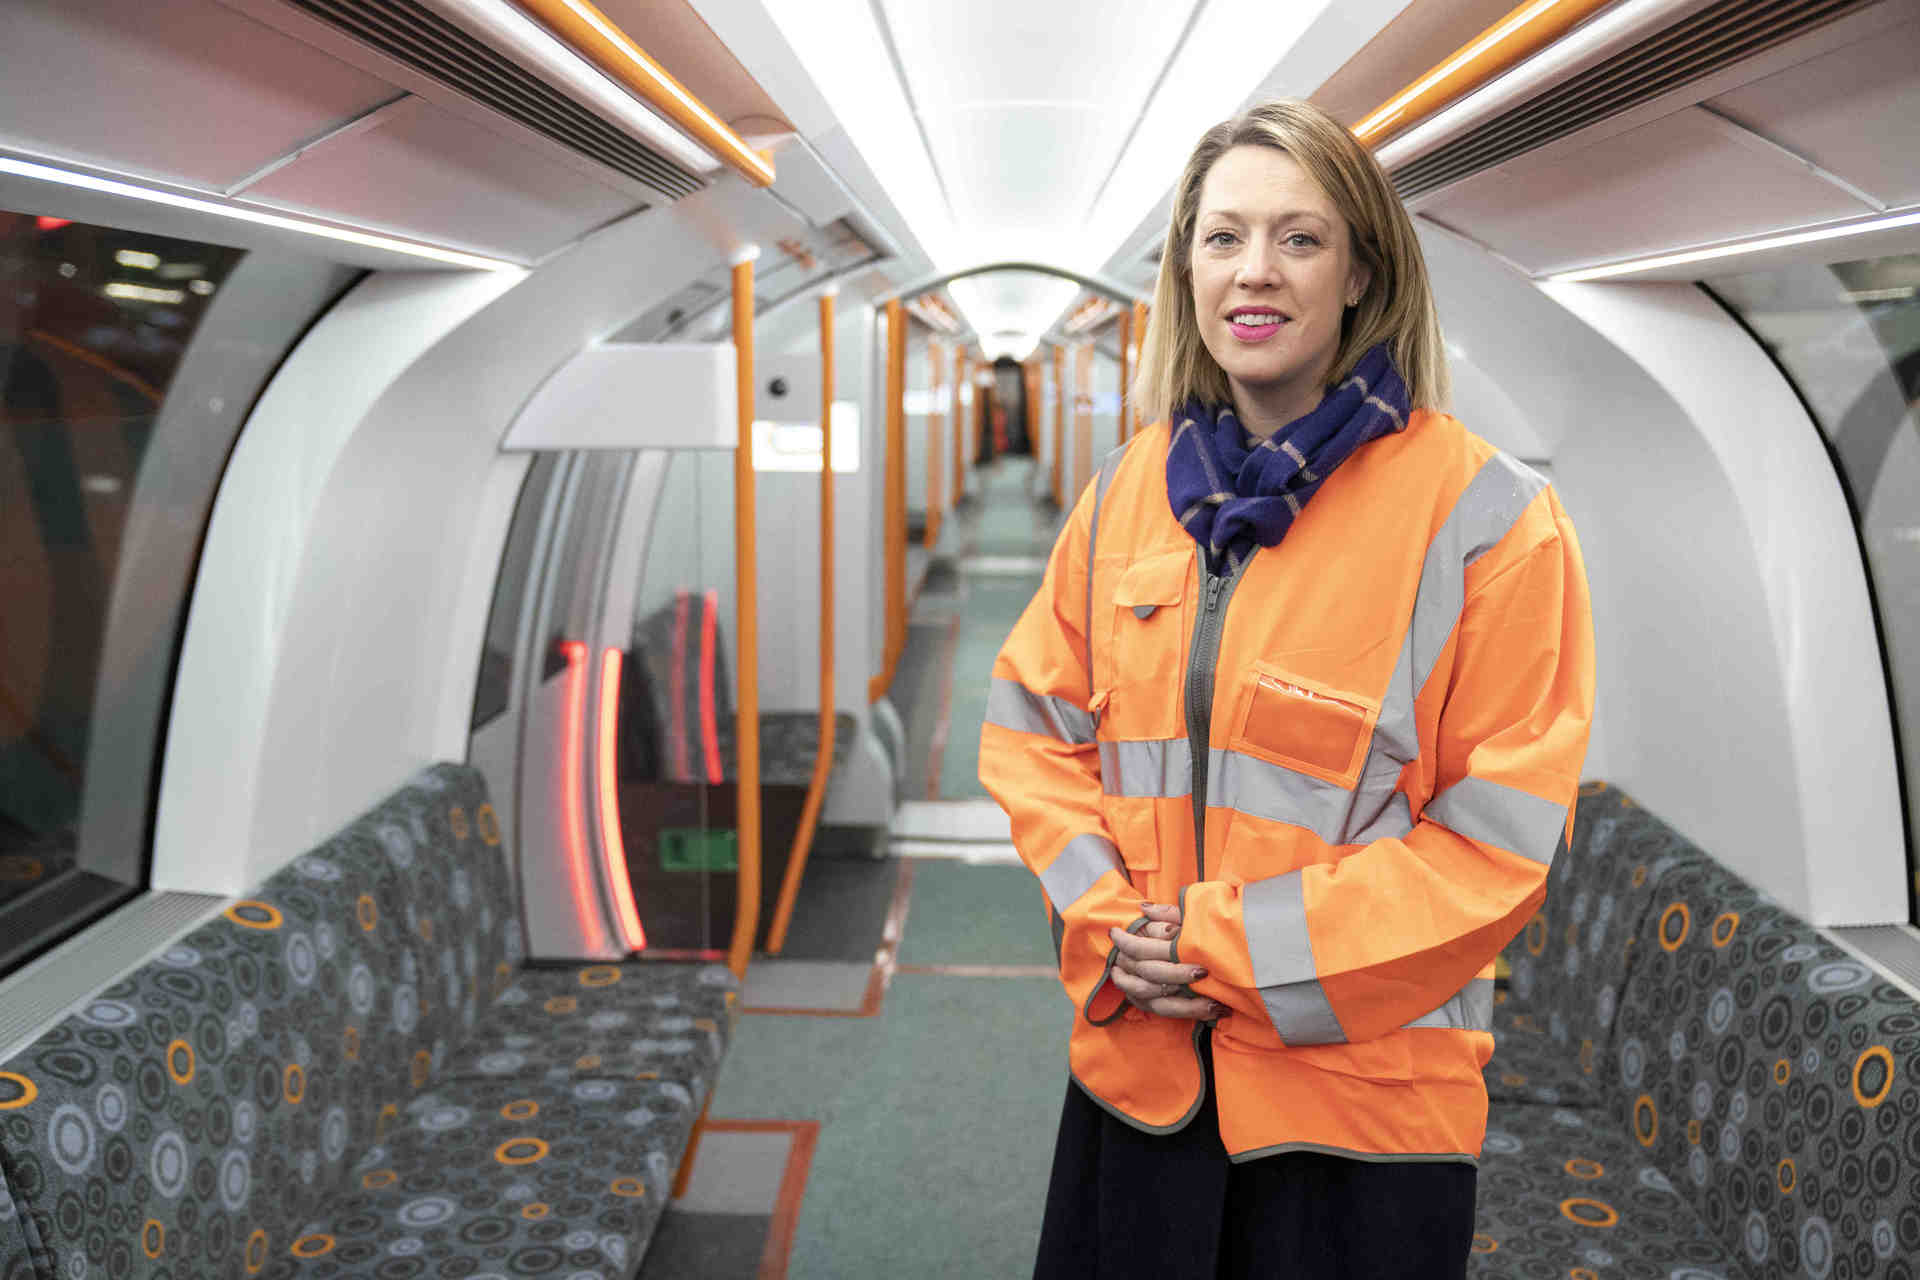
<point x="1148" y="619"/>
<point x="1304" y="724"/>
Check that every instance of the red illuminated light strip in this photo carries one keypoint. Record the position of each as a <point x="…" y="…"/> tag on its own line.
<point x="612" y="841"/>
<point x="573" y="785"/>
<point x="709" y="717"/>
<point x="677" y="691"/>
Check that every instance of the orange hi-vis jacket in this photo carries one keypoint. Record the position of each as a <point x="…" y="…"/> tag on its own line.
<point x="1351" y="764"/>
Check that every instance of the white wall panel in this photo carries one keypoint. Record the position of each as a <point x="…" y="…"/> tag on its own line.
<point x="335" y="632"/>
<point x="1739" y="693"/>
<point x="635" y="395"/>
<point x="220" y="94"/>
<point x="425" y="172"/>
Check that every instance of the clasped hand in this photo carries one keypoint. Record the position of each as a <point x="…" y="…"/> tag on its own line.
<point x="1145" y="972"/>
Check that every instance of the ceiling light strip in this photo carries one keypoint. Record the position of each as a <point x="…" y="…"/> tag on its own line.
<point x="1519" y="35"/>
<point x="1759" y="244"/>
<point x="596" y="38"/>
<point x="242" y="213"/>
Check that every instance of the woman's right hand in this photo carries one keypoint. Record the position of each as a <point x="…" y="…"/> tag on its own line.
<point x="1145" y="972"/>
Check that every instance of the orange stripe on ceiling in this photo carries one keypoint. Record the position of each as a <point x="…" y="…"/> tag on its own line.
<point x="1519" y="35"/>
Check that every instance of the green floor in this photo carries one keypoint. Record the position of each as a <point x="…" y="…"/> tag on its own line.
<point x="1004" y="521"/>
<point x="937" y="1115"/>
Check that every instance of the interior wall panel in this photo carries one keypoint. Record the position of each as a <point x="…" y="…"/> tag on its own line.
<point x="250" y="93"/>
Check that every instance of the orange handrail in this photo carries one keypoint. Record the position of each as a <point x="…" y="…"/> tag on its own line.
<point x="894" y="507"/>
<point x="1059" y="426"/>
<point x="746" y="907"/>
<point x="594" y="35"/>
<point x="1519" y="35"/>
<point x="1083" y="413"/>
<point x="1125" y="421"/>
<point x="935" y="489"/>
<point x="959" y="450"/>
<point x="823" y="754"/>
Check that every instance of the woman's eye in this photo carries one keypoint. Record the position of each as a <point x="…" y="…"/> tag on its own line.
<point x="1220" y="239"/>
<point x="1301" y="240"/>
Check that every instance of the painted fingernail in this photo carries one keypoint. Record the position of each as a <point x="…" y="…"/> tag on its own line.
<point x="1197" y="975"/>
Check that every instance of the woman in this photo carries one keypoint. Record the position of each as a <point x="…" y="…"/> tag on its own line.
<point x="1290" y="735"/>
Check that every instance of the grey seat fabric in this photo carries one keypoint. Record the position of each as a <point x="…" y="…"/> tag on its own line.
<point x="1561" y="1188"/>
<point x="1554" y="1031"/>
<point x="213" y="1109"/>
<point x="1775" y="1079"/>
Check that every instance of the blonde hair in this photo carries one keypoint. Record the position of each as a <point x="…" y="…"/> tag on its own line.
<point x="1397" y="306"/>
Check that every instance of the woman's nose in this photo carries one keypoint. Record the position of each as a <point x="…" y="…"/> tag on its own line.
<point x="1257" y="266"/>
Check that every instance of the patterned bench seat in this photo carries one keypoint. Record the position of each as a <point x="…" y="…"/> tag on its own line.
<point x="354" y="1073"/>
<point x="1744" y="1096"/>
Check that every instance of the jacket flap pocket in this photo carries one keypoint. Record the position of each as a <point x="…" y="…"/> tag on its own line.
<point x="1305" y="725"/>
<point x="1157" y="580"/>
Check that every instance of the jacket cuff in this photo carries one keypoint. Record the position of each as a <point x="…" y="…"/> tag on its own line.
<point x="1111" y="1001"/>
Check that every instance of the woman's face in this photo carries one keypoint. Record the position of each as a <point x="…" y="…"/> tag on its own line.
<point x="1273" y="270"/>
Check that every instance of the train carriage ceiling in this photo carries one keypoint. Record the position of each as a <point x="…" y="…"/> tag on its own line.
<point x="1008" y="130"/>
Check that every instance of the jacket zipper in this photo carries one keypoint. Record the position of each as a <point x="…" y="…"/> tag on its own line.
<point x="1202" y="656"/>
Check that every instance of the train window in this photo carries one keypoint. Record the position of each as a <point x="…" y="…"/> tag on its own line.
<point x="94" y="324"/>
<point x="1847" y="336"/>
<point x="490" y="695"/>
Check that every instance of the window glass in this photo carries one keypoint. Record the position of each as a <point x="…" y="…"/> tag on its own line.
<point x="490" y="695"/>
<point x="1848" y="336"/>
<point x="94" y="323"/>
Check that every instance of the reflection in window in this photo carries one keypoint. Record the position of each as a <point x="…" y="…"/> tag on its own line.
<point x="1848" y="337"/>
<point x="93" y="324"/>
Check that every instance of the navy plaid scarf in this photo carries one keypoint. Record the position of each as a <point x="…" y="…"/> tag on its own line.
<point x="1232" y="490"/>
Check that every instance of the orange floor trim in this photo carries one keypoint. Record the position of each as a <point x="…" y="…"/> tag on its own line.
<point x="793" y="1186"/>
<point x="885" y="958"/>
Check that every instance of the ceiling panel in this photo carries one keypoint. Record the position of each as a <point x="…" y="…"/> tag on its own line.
<point x="1026" y="106"/>
<point x="1852" y="111"/>
<point x="423" y="172"/>
<point x="1093" y="51"/>
<point x="74" y="68"/>
<point x="680" y="40"/>
<point x="1682" y="180"/>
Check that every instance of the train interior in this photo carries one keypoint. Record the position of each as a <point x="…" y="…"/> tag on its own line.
<point x="508" y="509"/>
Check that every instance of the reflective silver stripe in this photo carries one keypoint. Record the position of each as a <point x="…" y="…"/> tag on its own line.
<point x="1085" y="859"/>
<point x="1470" y="1009"/>
<point x="1108" y="465"/>
<point x="1394" y="823"/>
<point x="1487" y="509"/>
<point x="1266" y="790"/>
<point x="1501" y="816"/>
<point x="1301" y="1014"/>
<point x="1273" y="915"/>
<point x="1147" y="767"/>
<point x="1012" y="705"/>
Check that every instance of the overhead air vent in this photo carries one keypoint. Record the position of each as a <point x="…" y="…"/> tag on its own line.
<point x="1715" y="37"/>
<point x="422" y="39"/>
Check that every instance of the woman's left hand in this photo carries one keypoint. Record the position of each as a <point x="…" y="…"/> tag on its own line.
<point x="1145" y="972"/>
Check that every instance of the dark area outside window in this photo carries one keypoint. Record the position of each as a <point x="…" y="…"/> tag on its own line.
<point x="94" y="322"/>
<point x="1847" y="335"/>
<point x="491" y="690"/>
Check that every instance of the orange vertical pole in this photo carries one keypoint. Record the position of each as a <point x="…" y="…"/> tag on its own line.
<point x="959" y="404"/>
<point x="1083" y="414"/>
<point x="897" y="456"/>
<point x="1030" y="383"/>
<point x="1059" y="426"/>
<point x="936" y="491"/>
<point x="746" y="907"/>
<point x="1139" y="345"/>
<point x="823" y="754"/>
<point x="894" y="513"/>
<point x="1123" y="424"/>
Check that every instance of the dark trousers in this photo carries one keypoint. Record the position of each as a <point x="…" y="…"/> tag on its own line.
<point x="1123" y="1203"/>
